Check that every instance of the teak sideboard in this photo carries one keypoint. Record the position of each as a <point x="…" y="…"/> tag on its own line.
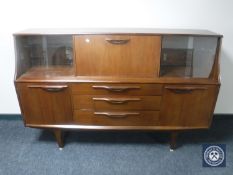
<point x="117" y="79"/>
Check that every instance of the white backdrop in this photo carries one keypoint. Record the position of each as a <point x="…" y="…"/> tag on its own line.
<point x="215" y="15"/>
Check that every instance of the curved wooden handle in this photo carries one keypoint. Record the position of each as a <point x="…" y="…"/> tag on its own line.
<point x="116" y="100"/>
<point x="117" y="114"/>
<point x="116" y="88"/>
<point x="49" y="88"/>
<point x="183" y="90"/>
<point x="117" y="41"/>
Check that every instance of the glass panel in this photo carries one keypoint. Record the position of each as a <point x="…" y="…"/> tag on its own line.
<point x="50" y="55"/>
<point x="187" y="56"/>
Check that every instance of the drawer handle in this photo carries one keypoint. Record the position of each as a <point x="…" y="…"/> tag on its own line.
<point x="117" y="114"/>
<point x="116" y="100"/>
<point x="184" y="90"/>
<point x="117" y="41"/>
<point x="49" y="88"/>
<point x="116" y="88"/>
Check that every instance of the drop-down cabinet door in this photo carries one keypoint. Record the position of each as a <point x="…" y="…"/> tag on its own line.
<point x="45" y="103"/>
<point x="188" y="105"/>
<point x="117" y="55"/>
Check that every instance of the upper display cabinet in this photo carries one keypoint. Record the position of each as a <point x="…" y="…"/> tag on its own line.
<point x="187" y="56"/>
<point x="154" y="55"/>
<point x="48" y="55"/>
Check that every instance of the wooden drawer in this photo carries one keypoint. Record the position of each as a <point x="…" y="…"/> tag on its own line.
<point x="117" y="55"/>
<point x="128" y="118"/>
<point x="100" y="102"/>
<point x="116" y="89"/>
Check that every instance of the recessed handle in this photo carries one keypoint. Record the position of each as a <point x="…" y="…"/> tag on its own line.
<point x="116" y="88"/>
<point x="183" y="90"/>
<point x="49" y="88"/>
<point x="117" y="114"/>
<point x="117" y="100"/>
<point x="117" y="41"/>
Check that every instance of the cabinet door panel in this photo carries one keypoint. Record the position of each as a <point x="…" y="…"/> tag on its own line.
<point x="117" y="55"/>
<point x="43" y="105"/>
<point x="190" y="106"/>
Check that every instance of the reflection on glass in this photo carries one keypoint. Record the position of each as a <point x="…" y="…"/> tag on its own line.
<point x="187" y="56"/>
<point x="51" y="53"/>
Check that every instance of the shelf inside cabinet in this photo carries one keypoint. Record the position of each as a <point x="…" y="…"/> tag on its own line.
<point x="176" y="71"/>
<point x="176" y="62"/>
<point x="43" y="72"/>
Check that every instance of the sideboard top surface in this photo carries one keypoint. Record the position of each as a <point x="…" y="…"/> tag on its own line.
<point x="145" y="31"/>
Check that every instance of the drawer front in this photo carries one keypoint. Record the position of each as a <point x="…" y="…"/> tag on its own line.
<point x="117" y="55"/>
<point x="128" y="118"/>
<point x="99" y="103"/>
<point x="116" y="89"/>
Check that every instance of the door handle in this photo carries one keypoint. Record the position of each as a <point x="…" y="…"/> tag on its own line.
<point x="49" y="88"/>
<point x="183" y="90"/>
<point x="117" y="41"/>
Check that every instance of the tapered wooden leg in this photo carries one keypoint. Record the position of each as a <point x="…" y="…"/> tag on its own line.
<point x="173" y="139"/>
<point x="59" y="137"/>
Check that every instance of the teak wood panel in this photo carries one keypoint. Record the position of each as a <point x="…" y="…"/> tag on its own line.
<point x="188" y="105"/>
<point x="45" y="104"/>
<point x="126" y="118"/>
<point x="113" y="103"/>
<point x="117" y="55"/>
<point x="116" y="89"/>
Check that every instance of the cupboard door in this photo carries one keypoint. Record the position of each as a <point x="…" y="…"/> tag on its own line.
<point x="45" y="104"/>
<point x="117" y="55"/>
<point x="188" y="106"/>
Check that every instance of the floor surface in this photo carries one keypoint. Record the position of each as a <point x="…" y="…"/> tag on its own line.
<point x="33" y="151"/>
